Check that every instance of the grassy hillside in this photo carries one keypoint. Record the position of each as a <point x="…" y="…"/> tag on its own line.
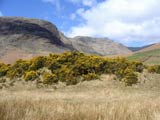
<point x="150" y="47"/>
<point x="148" y="57"/>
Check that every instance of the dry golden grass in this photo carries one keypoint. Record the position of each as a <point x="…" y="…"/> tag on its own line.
<point x="93" y="100"/>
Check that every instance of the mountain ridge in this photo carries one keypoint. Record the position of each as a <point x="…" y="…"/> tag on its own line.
<point x="135" y="49"/>
<point x="103" y="46"/>
<point x="150" y="47"/>
<point x="25" y="38"/>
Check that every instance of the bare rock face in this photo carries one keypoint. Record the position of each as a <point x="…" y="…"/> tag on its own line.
<point x="30" y="29"/>
<point x="22" y="38"/>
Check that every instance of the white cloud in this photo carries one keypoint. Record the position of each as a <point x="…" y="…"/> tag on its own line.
<point x="1" y="13"/>
<point x="84" y="2"/>
<point x="126" y="21"/>
<point x="56" y="3"/>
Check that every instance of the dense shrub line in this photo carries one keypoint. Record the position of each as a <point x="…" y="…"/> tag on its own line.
<point x="73" y="67"/>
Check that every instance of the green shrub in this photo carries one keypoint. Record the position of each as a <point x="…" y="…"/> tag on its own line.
<point x="137" y="66"/>
<point x="18" y="69"/>
<point x="37" y="63"/>
<point x="23" y="64"/>
<point x="3" y="69"/>
<point x="154" y="69"/>
<point x="49" y="78"/>
<point x="72" y="80"/>
<point x="130" y="77"/>
<point x="120" y="74"/>
<point x="14" y="73"/>
<point x="54" y="65"/>
<point x="30" y="76"/>
<point x="69" y="58"/>
<point x="90" y="76"/>
<point x="2" y="80"/>
<point x="88" y="64"/>
<point x="51" y="59"/>
<point x="65" y="73"/>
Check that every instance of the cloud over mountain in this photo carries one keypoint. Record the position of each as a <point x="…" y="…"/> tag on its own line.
<point x="126" y="21"/>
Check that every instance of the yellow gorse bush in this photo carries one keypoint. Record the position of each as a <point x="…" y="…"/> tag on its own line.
<point x="3" y="69"/>
<point x="30" y="76"/>
<point x="154" y="69"/>
<point x="49" y="78"/>
<point x="73" y="67"/>
<point x="18" y="69"/>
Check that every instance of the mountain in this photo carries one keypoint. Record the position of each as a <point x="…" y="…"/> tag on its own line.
<point x="150" y="47"/>
<point x="24" y="38"/>
<point x="135" y="49"/>
<point x="100" y="46"/>
<point x="148" y="55"/>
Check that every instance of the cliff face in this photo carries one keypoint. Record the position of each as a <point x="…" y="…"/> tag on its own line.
<point x="24" y="38"/>
<point x="30" y="27"/>
<point x="12" y="27"/>
<point x="28" y="38"/>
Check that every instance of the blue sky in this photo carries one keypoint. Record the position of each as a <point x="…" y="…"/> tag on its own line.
<point x="131" y="22"/>
<point x="59" y="12"/>
<point x="41" y="10"/>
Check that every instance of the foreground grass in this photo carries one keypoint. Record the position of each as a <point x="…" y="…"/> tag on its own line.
<point x="93" y="100"/>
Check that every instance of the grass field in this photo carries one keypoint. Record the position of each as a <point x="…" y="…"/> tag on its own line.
<point x="149" y="57"/>
<point x="104" y="99"/>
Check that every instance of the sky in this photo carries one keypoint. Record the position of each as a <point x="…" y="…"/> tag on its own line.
<point x="130" y="22"/>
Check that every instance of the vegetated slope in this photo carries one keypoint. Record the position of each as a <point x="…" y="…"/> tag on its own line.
<point x="150" y="47"/>
<point x="100" y="46"/>
<point x="148" y="56"/>
<point x="136" y="49"/>
<point x="24" y="38"/>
